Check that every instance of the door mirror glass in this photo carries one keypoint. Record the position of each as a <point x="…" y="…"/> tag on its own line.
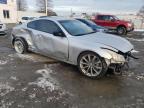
<point x="60" y="34"/>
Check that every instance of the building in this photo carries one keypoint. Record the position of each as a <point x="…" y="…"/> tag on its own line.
<point x="10" y="14"/>
<point x="8" y="11"/>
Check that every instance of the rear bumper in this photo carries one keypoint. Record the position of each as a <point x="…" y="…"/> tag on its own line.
<point x="3" y="32"/>
<point x="3" y="29"/>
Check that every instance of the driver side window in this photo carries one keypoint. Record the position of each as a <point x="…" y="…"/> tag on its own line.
<point x="44" y="26"/>
<point x="105" y="18"/>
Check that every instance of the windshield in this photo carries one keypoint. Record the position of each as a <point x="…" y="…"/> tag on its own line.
<point x="116" y="18"/>
<point x="89" y="22"/>
<point x="76" y="28"/>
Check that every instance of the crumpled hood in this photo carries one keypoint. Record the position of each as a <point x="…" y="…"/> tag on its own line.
<point x="109" y="40"/>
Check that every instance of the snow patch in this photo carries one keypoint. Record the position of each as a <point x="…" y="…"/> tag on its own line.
<point x="3" y="62"/>
<point x="26" y="57"/>
<point x="139" y="30"/>
<point x="24" y="89"/>
<point x="23" y="56"/>
<point x="135" y="51"/>
<point x="5" y="104"/>
<point x="140" y="77"/>
<point x="46" y="81"/>
<point x="139" y="40"/>
<point x="32" y="57"/>
<point x="5" y="89"/>
<point x="13" y="78"/>
<point x="32" y="96"/>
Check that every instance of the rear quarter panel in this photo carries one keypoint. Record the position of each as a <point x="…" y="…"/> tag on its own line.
<point x="21" y="32"/>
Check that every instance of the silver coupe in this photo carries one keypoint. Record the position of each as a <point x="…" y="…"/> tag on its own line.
<point x="73" y="42"/>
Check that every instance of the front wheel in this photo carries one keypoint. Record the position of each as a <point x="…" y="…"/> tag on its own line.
<point x="91" y="65"/>
<point x="121" y="31"/>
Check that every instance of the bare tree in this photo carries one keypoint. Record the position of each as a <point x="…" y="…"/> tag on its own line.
<point x="51" y="13"/>
<point x="141" y="14"/>
<point x="41" y="4"/>
<point x="21" y="5"/>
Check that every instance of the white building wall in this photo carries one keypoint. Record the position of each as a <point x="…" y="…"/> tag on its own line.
<point x="11" y="7"/>
<point x="15" y="15"/>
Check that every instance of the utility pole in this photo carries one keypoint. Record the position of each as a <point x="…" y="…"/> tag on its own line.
<point x="71" y="13"/>
<point x="46" y="7"/>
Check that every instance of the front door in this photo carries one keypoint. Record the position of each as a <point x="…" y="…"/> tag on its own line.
<point x="46" y="42"/>
<point x="106" y="21"/>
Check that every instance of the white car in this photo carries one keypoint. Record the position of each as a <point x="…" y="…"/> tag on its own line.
<point x="2" y="28"/>
<point x="26" y="19"/>
<point x="73" y="42"/>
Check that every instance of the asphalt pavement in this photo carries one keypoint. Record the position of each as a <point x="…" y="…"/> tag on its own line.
<point x="35" y="81"/>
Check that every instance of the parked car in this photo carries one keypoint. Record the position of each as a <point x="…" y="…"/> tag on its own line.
<point x="113" y="23"/>
<point x="73" y="42"/>
<point x="94" y="26"/>
<point x="2" y="28"/>
<point x="26" y="19"/>
<point x="43" y="16"/>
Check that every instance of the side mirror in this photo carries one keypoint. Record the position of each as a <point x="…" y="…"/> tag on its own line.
<point x="113" y="20"/>
<point x="59" y="34"/>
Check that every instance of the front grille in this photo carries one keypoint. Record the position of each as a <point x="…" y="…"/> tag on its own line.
<point x="0" y="27"/>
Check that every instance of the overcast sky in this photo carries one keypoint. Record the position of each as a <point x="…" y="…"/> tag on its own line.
<point x="105" y="6"/>
<point x="63" y="7"/>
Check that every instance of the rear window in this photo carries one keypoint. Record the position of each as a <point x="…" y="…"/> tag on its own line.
<point x="101" y="17"/>
<point x="24" y="18"/>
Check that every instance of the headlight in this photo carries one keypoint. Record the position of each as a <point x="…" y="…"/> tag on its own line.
<point x="115" y="56"/>
<point x="129" y="24"/>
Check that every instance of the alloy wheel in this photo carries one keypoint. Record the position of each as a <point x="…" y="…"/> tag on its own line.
<point x="19" y="47"/>
<point x="91" y="65"/>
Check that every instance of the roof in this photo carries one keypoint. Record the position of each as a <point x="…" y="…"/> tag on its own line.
<point x="56" y="18"/>
<point x="105" y="14"/>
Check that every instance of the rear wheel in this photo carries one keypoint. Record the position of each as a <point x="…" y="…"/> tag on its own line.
<point x="121" y="30"/>
<point x="20" y="46"/>
<point x="91" y="65"/>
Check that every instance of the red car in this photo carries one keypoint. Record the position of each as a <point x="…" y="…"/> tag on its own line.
<point x="113" y="23"/>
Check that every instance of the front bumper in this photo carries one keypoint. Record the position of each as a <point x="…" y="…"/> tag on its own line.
<point x="120" y="63"/>
<point x="131" y="28"/>
<point x="119" y="57"/>
<point x="119" y="66"/>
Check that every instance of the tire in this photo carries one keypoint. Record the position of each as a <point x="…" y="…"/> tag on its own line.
<point x="91" y="65"/>
<point x="20" y="46"/>
<point x="20" y="22"/>
<point x="121" y="30"/>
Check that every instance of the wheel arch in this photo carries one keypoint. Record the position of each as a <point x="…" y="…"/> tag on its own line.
<point x="20" y="38"/>
<point x="101" y="55"/>
<point x="87" y="51"/>
<point x="102" y="59"/>
<point x="121" y="25"/>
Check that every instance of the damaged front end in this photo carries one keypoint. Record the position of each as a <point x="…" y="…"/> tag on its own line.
<point x="119" y="61"/>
